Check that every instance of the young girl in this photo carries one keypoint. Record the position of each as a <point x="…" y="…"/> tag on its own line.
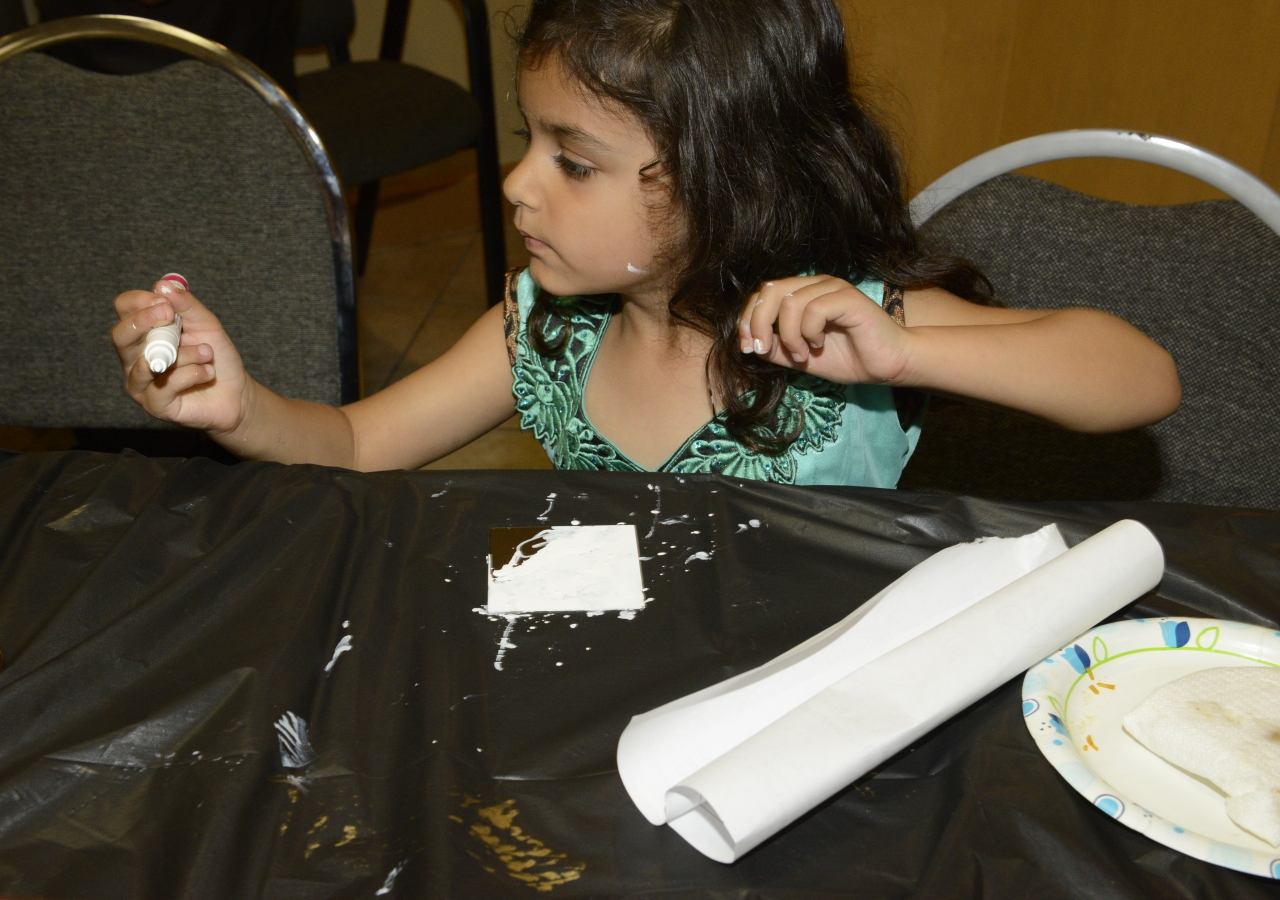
<point x="724" y="278"/>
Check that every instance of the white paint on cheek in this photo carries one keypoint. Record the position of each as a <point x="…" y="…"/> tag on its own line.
<point x="634" y="271"/>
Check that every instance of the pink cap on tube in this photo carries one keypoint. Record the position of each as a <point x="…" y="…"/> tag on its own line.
<point x="175" y="277"/>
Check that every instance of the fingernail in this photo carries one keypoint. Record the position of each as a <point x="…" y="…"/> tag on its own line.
<point x="759" y="345"/>
<point x="768" y="284"/>
<point x="797" y="357"/>
<point x="746" y="348"/>
<point x="176" y="279"/>
<point x="208" y="370"/>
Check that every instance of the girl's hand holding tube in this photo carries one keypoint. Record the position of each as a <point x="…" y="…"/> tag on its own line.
<point x="207" y="386"/>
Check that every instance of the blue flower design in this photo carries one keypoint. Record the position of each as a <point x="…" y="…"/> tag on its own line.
<point x="1077" y="657"/>
<point x="1175" y="634"/>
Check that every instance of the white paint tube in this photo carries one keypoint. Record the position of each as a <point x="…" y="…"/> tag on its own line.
<point x="161" y="349"/>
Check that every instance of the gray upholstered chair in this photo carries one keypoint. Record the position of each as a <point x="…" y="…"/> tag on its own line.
<point x="204" y="168"/>
<point x="381" y="117"/>
<point x="1202" y="279"/>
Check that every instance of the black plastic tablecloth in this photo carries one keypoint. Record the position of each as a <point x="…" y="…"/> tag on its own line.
<point x="158" y="617"/>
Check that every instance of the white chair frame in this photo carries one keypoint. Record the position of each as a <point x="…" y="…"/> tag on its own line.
<point x="1189" y="159"/>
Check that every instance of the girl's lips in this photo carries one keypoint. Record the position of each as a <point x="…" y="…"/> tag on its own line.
<point x="532" y="243"/>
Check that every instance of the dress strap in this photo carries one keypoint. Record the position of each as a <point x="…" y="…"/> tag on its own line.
<point x="908" y="401"/>
<point x="893" y="303"/>
<point x="511" y="314"/>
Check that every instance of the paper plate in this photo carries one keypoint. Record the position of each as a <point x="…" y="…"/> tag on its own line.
<point x="1074" y="701"/>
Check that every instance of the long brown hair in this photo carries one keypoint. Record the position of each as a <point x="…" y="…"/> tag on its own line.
<point x="771" y="159"/>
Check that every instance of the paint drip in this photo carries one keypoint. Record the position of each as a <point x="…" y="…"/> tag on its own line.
<point x="391" y="879"/>
<point x="343" y="646"/>
<point x="504" y="643"/>
<point x="657" y="510"/>
<point x="296" y="751"/>
<point x="551" y="501"/>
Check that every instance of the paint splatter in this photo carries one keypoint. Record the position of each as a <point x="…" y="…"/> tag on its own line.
<point x="441" y="494"/>
<point x="343" y="646"/>
<point x="551" y="501"/>
<point x="701" y="554"/>
<point x="504" y="644"/>
<point x="741" y="528"/>
<point x="296" y="751"/>
<point x="627" y="614"/>
<point x="657" y="509"/>
<point x="391" y="879"/>
<point x="754" y="523"/>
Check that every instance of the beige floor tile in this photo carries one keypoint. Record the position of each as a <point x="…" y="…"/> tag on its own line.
<point x="506" y="447"/>
<point x="412" y="273"/>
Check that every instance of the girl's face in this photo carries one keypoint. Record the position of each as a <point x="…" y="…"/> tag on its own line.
<point x="581" y="206"/>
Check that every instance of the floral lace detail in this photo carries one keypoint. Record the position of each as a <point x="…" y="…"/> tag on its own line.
<point x="549" y="392"/>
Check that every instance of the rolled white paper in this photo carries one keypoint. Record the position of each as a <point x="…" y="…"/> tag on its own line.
<point x="771" y="769"/>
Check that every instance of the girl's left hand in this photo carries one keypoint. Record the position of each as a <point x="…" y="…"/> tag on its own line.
<point x="825" y="327"/>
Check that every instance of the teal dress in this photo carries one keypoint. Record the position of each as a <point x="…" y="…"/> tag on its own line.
<point x="852" y="434"/>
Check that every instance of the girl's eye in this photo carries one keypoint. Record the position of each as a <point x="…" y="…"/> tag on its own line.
<point x="522" y="133"/>
<point x="572" y="169"/>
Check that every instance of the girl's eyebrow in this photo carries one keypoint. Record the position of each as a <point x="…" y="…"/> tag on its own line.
<point x="573" y="132"/>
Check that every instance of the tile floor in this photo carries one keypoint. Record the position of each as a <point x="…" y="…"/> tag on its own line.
<point x="423" y="287"/>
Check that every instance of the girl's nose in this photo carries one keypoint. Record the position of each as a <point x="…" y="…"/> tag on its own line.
<point x="517" y="187"/>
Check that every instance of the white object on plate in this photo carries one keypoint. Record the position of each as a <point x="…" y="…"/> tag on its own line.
<point x="729" y="766"/>
<point x="1224" y="725"/>
<point x="567" y="568"/>
<point x="1075" y="702"/>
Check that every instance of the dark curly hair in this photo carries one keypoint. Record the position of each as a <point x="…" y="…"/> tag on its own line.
<point x="770" y="158"/>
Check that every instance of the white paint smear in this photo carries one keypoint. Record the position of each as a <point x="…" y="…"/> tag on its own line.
<point x="551" y="501"/>
<point x="296" y="751"/>
<point x="701" y="554"/>
<point x="343" y="646"/>
<point x="391" y="880"/>
<point x="504" y="642"/>
<point x="585" y="568"/>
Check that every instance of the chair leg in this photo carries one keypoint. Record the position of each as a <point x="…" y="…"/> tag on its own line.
<point x="476" y="14"/>
<point x="366" y="206"/>
<point x="492" y="231"/>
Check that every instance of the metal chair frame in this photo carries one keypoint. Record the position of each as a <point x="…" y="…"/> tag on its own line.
<point x="1189" y="159"/>
<point x="148" y="31"/>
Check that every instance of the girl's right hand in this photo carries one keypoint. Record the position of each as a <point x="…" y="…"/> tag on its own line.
<point x="207" y="386"/>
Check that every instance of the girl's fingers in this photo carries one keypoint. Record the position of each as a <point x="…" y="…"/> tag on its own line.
<point x="792" y="310"/>
<point x="156" y="392"/>
<point x="762" y="312"/>
<point x="131" y="331"/>
<point x="165" y="387"/>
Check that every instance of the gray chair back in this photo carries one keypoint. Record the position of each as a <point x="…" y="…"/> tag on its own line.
<point x="107" y="182"/>
<point x="1201" y="279"/>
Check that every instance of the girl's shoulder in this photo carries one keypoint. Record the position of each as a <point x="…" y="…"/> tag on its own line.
<point x="517" y="306"/>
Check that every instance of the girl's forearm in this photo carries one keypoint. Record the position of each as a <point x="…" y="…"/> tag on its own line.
<point x="290" y="431"/>
<point x="1079" y="368"/>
